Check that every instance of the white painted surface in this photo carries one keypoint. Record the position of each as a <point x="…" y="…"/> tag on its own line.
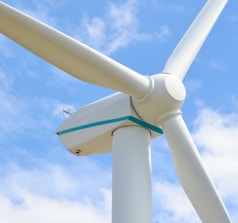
<point x="131" y="183"/>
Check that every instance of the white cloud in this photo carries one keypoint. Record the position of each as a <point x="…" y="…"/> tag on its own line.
<point x="233" y="18"/>
<point x="163" y="33"/>
<point x="45" y="180"/>
<point x="234" y="101"/>
<point x="96" y="31"/>
<point x="18" y="118"/>
<point x="43" y="209"/>
<point x="217" y="135"/>
<point x="177" y="7"/>
<point x="173" y="204"/>
<point x="124" y="25"/>
<point x="218" y="65"/>
<point x="118" y="28"/>
<point x="53" y="193"/>
<point x="217" y="132"/>
<point x="12" y="115"/>
<point x="52" y="3"/>
<point x="193" y="85"/>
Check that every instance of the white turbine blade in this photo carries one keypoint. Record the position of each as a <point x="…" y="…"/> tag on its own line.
<point x="68" y="54"/>
<point x="191" y="172"/>
<point x="188" y="47"/>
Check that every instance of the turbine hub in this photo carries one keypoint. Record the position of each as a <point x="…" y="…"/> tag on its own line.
<point x="165" y="95"/>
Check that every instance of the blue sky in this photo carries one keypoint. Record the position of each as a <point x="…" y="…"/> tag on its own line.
<point x="41" y="181"/>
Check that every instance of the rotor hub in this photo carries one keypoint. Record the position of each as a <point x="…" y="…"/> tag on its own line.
<point x="166" y="94"/>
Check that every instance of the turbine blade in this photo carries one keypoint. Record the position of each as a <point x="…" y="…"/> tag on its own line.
<point x="188" y="47"/>
<point x="70" y="55"/>
<point x="191" y="172"/>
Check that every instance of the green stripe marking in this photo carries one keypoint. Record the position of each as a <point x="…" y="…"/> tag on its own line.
<point x="131" y="118"/>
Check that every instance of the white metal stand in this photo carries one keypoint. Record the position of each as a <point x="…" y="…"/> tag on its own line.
<point x="131" y="178"/>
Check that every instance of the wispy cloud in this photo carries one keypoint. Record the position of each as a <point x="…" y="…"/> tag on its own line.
<point x="163" y="32"/>
<point x="217" y="65"/>
<point x="41" y="209"/>
<point x="38" y="209"/>
<point x="170" y="209"/>
<point x="193" y="85"/>
<point x="54" y="192"/>
<point x="217" y="134"/>
<point x="17" y="111"/>
<point x="118" y="28"/>
<point x="233" y="18"/>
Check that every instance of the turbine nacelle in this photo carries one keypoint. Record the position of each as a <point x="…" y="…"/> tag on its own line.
<point x="89" y="130"/>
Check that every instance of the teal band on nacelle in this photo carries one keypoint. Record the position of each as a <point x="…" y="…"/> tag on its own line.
<point x="104" y="122"/>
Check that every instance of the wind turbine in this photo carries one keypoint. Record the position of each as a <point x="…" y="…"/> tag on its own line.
<point x="124" y="123"/>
